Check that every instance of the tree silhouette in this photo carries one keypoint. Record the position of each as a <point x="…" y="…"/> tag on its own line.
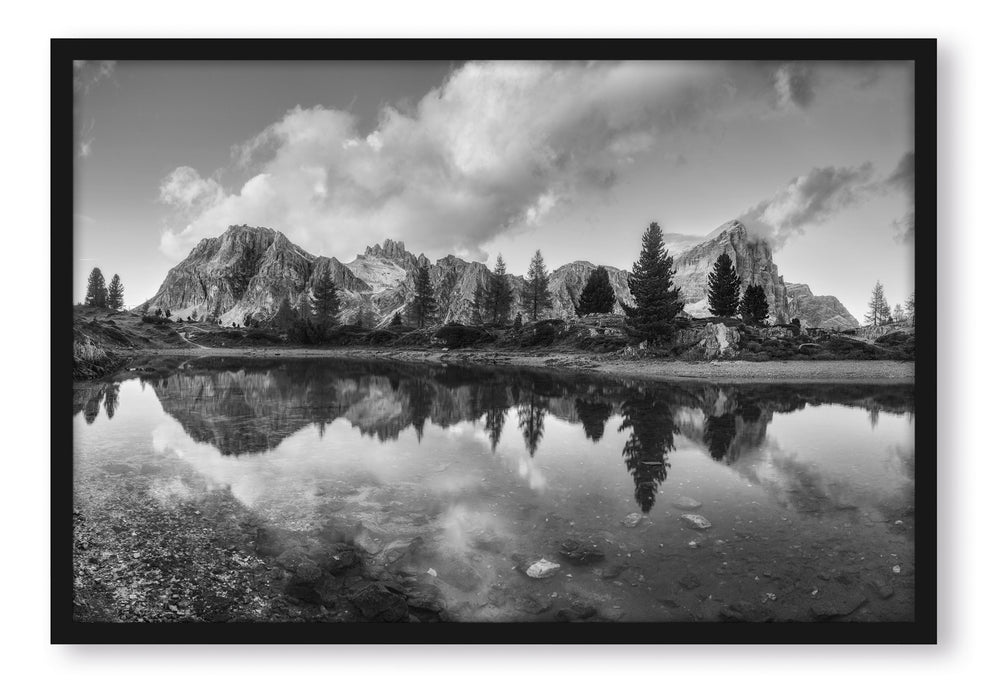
<point x="532" y="412"/>
<point x="111" y="399"/>
<point x="536" y="291"/>
<point x="652" y="286"/>
<point x="754" y="307"/>
<point x="593" y="416"/>
<point x="650" y="421"/>
<point x="421" y="395"/>
<point x="424" y="303"/>
<point x="494" y="404"/>
<point x="326" y="299"/>
<point x="878" y="309"/>
<point x="396" y="319"/>
<point x="115" y="294"/>
<point x="499" y="300"/>
<point x="597" y="297"/>
<point x="719" y="433"/>
<point x="723" y="287"/>
<point x="96" y="289"/>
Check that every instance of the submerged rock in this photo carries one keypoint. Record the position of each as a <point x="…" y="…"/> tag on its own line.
<point x="542" y="568"/>
<point x="633" y="519"/>
<point x="695" y="521"/>
<point x="581" y="552"/>
<point x="376" y="602"/>
<point x="686" y="503"/>
<point x="460" y="574"/>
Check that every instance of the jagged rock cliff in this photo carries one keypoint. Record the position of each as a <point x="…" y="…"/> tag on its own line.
<point x="818" y="311"/>
<point x="249" y="270"/>
<point x="754" y="265"/>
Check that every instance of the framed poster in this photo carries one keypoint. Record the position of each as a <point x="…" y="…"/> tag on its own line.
<point x="524" y="341"/>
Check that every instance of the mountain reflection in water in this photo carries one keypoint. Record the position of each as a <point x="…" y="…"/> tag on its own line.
<point x="244" y="407"/>
<point x="213" y="489"/>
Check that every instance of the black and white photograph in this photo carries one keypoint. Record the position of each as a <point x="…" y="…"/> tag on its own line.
<point x="554" y="343"/>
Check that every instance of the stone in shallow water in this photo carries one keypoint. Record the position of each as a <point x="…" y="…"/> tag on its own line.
<point x="542" y="568"/>
<point x="695" y="521"/>
<point x="581" y="552"/>
<point x="377" y="602"/>
<point x="632" y="520"/>
<point x="686" y="503"/>
<point x="460" y="574"/>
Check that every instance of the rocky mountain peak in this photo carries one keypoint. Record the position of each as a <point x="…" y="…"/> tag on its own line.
<point x="250" y="270"/>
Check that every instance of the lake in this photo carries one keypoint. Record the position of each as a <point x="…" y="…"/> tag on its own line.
<point x="230" y="489"/>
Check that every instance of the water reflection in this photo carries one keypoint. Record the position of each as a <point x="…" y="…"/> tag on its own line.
<point x="467" y="472"/>
<point x="240" y="408"/>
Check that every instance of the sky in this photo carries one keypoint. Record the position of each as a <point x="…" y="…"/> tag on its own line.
<point x="476" y="159"/>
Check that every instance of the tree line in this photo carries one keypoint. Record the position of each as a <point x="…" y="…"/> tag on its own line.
<point x="101" y="295"/>
<point x="879" y="312"/>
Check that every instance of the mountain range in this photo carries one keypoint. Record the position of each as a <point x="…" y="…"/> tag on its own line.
<point x="251" y="270"/>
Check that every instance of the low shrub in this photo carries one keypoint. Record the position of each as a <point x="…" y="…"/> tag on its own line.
<point x="456" y="335"/>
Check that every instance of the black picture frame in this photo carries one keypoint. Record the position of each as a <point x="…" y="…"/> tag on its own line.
<point x="923" y="52"/>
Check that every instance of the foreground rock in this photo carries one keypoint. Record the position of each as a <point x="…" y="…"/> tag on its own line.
<point x="695" y="521"/>
<point x="632" y="520"/>
<point x="686" y="503"/>
<point x="542" y="568"/>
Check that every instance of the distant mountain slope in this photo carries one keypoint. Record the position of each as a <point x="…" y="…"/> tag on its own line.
<point x="249" y="271"/>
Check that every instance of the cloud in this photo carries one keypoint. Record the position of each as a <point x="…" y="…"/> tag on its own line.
<point x="85" y="148"/>
<point x="902" y="179"/>
<point x="795" y="85"/>
<point x="185" y="189"/>
<point x="499" y="147"/>
<point x="810" y="199"/>
<point x="87" y="74"/>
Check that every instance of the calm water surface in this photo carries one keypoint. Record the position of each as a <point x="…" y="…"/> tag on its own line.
<point x="451" y="482"/>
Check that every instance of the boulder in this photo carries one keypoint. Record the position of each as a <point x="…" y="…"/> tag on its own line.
<point x="686" y="503"/>
<point x="376" y="602"/>
<point x="542" y="568"/>
<point x="695" y="521"/>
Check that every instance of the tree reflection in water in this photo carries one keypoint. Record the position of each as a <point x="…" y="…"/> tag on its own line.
<point x="650" y="420"/>
<point x="243" y="406"/>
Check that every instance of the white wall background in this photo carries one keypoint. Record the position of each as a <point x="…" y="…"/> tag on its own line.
<point x="32" y="668"/>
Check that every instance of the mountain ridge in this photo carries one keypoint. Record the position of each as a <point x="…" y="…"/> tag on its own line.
<point x="248" y="271"/>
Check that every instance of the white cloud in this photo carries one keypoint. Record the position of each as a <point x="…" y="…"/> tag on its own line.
<point x="498" y="147"/>
<point x="808" y="200"/>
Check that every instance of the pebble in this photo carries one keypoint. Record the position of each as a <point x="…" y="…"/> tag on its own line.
<point x="632" y="520"/>
<point x="542" y="568"/>
<point x="695" y="521"/>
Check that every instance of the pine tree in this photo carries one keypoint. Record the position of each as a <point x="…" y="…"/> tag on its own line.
<point x="325" y="299"/>
<point x="517" y="323"/>
<point x="285" y="317"/>
<point x="397" y="319"/>
<point x="878" y="310"/>
<point x="598" y="297"/>
<point x="424" y="304"/>
<point x="652" y="286"/>
<point x="96" y="290"/>
<point x="305" y="307"/>
<point x="898" y="313"/>
<point x="754" y="307"/>
<point x="536" y="292"/>
<point x="480" y="303"/>
<point x="499" y="293"/>
<point x="909" y="305"/>
<point x="723" y="287"/>
<point x="115" y="294"/>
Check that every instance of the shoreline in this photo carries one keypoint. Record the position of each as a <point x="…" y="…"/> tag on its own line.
<point x="737" y="371"/>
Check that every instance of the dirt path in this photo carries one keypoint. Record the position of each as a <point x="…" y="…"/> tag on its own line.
<point x="856" y="371"/>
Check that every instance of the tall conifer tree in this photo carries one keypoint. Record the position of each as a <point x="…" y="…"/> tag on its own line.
<point x="536" y="292"/>
<point x="723" y="287"/>
<point x="651" y="284"/>
<point x="96" y="289"/>
<point x="424" y="303"/>
<point x="115" y="294"/>
<point x="597" y="297"/>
